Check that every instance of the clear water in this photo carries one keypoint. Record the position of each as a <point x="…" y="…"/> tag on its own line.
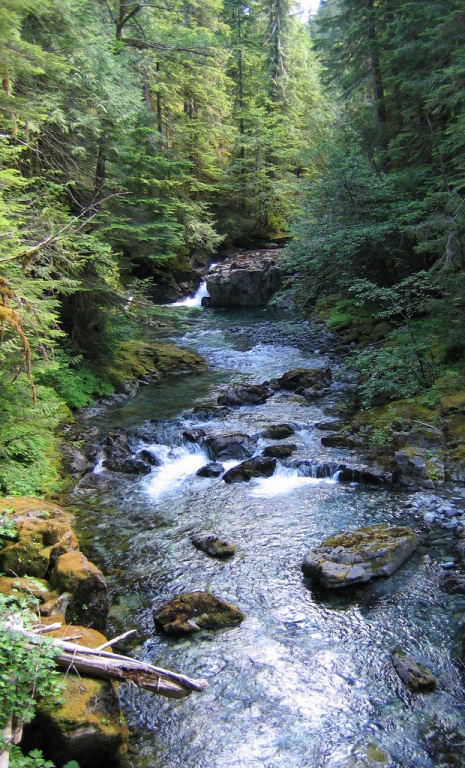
<point x="306" y="679"/>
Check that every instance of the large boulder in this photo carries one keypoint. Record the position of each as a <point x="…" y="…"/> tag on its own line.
<point x="280" y="451"/>
<point x="233" y="446"/>
<point x="213" y="469"/>
<point x="259" y="466"/>
<point x="413" y="469"/>
<point x="41" y="533"/>
<point x="279" y="431"/>
<point x="87" y="724"/>
<point x="194" y="611"/>
<point x="305" y="378"/>
<point x="75" y="574"/>
<point x="246" y="280"/>
<point x="355" y="557"/>
<point x="244" y="394"/>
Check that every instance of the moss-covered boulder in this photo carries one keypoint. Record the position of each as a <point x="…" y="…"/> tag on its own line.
<point x="75" y="574"/>
<point x="87" y="725"/>
<point x="213" y="545"/>
<point x="170" y="360"/>
<point x="194" y="611"/>
<point x="356" y="557"/>
<point x="282" y="451"/>
<point x="414" y="676"/>
<point x="414" y="470"/>
<point x="279" y="431"/>
<point x="42" y="532"/>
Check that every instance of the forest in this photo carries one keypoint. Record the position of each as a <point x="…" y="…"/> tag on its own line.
<point x="139" y="139"/>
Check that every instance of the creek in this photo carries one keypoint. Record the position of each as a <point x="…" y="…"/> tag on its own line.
<point x="306" y="680"/>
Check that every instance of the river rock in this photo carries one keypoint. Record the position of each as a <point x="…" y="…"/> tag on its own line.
<point x="246" y="280"/>
<point x="214" y="469"/>
<point x="194" y="611"/>
<point x="454" y="583"/>
<point x="369" y="755"/>
<point x="244" y="394"/>
<point x="412" y="469"/>
<point x="75" y="574"/>
<point x="413" y="675"/>
<point x="355" y="557"/>
<point x="193" y="435"/>
<point x="305" y="378"/>
<point x="233" y="446"/>
<point x="213" y="545"/>
<point x="259" y="466"/>
<point x="279" y="431"/>
<point x="282" y="451"/>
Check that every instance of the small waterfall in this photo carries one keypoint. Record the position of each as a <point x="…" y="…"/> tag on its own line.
<point x="177" y="465"/>
<point x="196" y="300"/>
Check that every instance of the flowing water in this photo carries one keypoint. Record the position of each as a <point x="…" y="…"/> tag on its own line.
<point x="306" y="680"/>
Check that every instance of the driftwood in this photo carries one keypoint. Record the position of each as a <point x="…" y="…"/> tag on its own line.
<point x="96" y="662"/>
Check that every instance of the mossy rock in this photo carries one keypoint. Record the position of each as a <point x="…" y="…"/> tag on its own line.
<point x="194" y="611"/>
<point x="170" y="359"/>
<point x="453" y="402"/>
<point x="279" y="431"/>
<point x="213" y="545"/>
<point x="43" y="533"/>
<point x="356" y="557"/>
<point x="369" y="755"/>
<point x="74" y="573"/>
<point x="88" y="725"/>
<point x="414" y="676"/>
<point x="282" y="451"/>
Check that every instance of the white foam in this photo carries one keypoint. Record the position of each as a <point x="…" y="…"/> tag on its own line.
<point x="178" y="465"/>
<point x="196" y="300"/>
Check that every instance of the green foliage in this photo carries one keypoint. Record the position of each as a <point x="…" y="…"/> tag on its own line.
<point x="34" y="759"/>
<point x="29" y="455"/>
<point x="7" y="527"/>
<point x="27" y="672"/>
<point x="400" y="368"/>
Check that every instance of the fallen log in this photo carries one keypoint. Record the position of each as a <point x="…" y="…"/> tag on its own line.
<point x="97" y="662"/>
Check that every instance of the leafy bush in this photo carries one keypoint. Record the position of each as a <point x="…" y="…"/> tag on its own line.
<point x="27" y="672"/>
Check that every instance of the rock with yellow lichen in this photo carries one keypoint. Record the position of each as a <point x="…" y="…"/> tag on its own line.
<point x="194" y="611"/>
<point x="40" y="556"/>
<point x="75" y="574"/>
<point x="42" y="533"/>
<point x="355" y="557"/>
<point x="87" y="725"/>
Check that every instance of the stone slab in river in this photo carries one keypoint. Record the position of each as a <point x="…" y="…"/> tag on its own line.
<point x="355" y="557"/>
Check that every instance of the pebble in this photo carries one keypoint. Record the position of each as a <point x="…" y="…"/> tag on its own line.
<point x="430" y="517"/>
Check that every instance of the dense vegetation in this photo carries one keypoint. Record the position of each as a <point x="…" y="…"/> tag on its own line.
<point x="138" y="138"/>
<point x="135" y="137"/>
<point x="384" y="223"/>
